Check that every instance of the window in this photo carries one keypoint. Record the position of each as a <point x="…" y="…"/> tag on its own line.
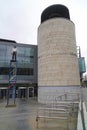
<point x="8" y="53"/>
<point x="27" y="52"/>
<point x="20" y="54"/>
<point x="24" y="71"/>
<point x="2" y="52"/>
<point x="25" y="55"/>
<point x="20" y="71"/>
<point x="4" y="71"/>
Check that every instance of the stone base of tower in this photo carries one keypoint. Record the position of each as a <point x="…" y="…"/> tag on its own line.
<point x="52" y="94"/>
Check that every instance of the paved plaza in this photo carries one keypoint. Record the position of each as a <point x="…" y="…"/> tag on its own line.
<point x="17" y="118"/>
<point x="23" y="117"/>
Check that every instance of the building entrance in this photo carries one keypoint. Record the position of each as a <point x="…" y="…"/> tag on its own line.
<point x="31" y="92"/>
<point x="3" y="93"/>
<point x="25" y="92"/>
<point x="22" y="92"/>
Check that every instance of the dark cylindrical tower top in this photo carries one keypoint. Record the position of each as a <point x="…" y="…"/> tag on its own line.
<point x="55" y="11"/>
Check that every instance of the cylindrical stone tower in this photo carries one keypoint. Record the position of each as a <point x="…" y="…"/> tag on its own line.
<point x="58" y="69"/>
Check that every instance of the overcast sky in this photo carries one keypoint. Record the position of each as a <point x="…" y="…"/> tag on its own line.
<point x="19" y="19"/>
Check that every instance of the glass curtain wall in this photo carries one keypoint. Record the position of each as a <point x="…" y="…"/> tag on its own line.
<point x="25" y="62"/>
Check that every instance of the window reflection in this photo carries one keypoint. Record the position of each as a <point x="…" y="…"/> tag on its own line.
<point x="2" y="52"/>
<point x="8" y="53"/>
<point x="25" y="55"/>
<point x="20" y="71"/>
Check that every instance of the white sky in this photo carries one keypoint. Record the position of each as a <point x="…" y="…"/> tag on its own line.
<point x="19" y="19"/>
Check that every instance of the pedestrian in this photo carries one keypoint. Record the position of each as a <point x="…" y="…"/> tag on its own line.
<point x="14" y="53"/>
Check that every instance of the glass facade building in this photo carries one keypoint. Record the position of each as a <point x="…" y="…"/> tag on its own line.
<point x="26" y="63"/>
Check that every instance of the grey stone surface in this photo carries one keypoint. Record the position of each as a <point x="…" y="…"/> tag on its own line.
<point x="23" y="117"/>
<point x="16" y="118"/>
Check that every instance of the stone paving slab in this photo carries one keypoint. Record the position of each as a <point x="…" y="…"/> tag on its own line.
<point x="85" y="114"/>
<point x="23" y="117"/>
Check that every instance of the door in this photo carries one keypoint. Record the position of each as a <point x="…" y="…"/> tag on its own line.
<point x="22" y="92"/>
<point x="31" y="91"/>
<point x="3" y="93"/>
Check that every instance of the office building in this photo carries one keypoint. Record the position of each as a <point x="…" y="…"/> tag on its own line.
<point x="26" y="85"/>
